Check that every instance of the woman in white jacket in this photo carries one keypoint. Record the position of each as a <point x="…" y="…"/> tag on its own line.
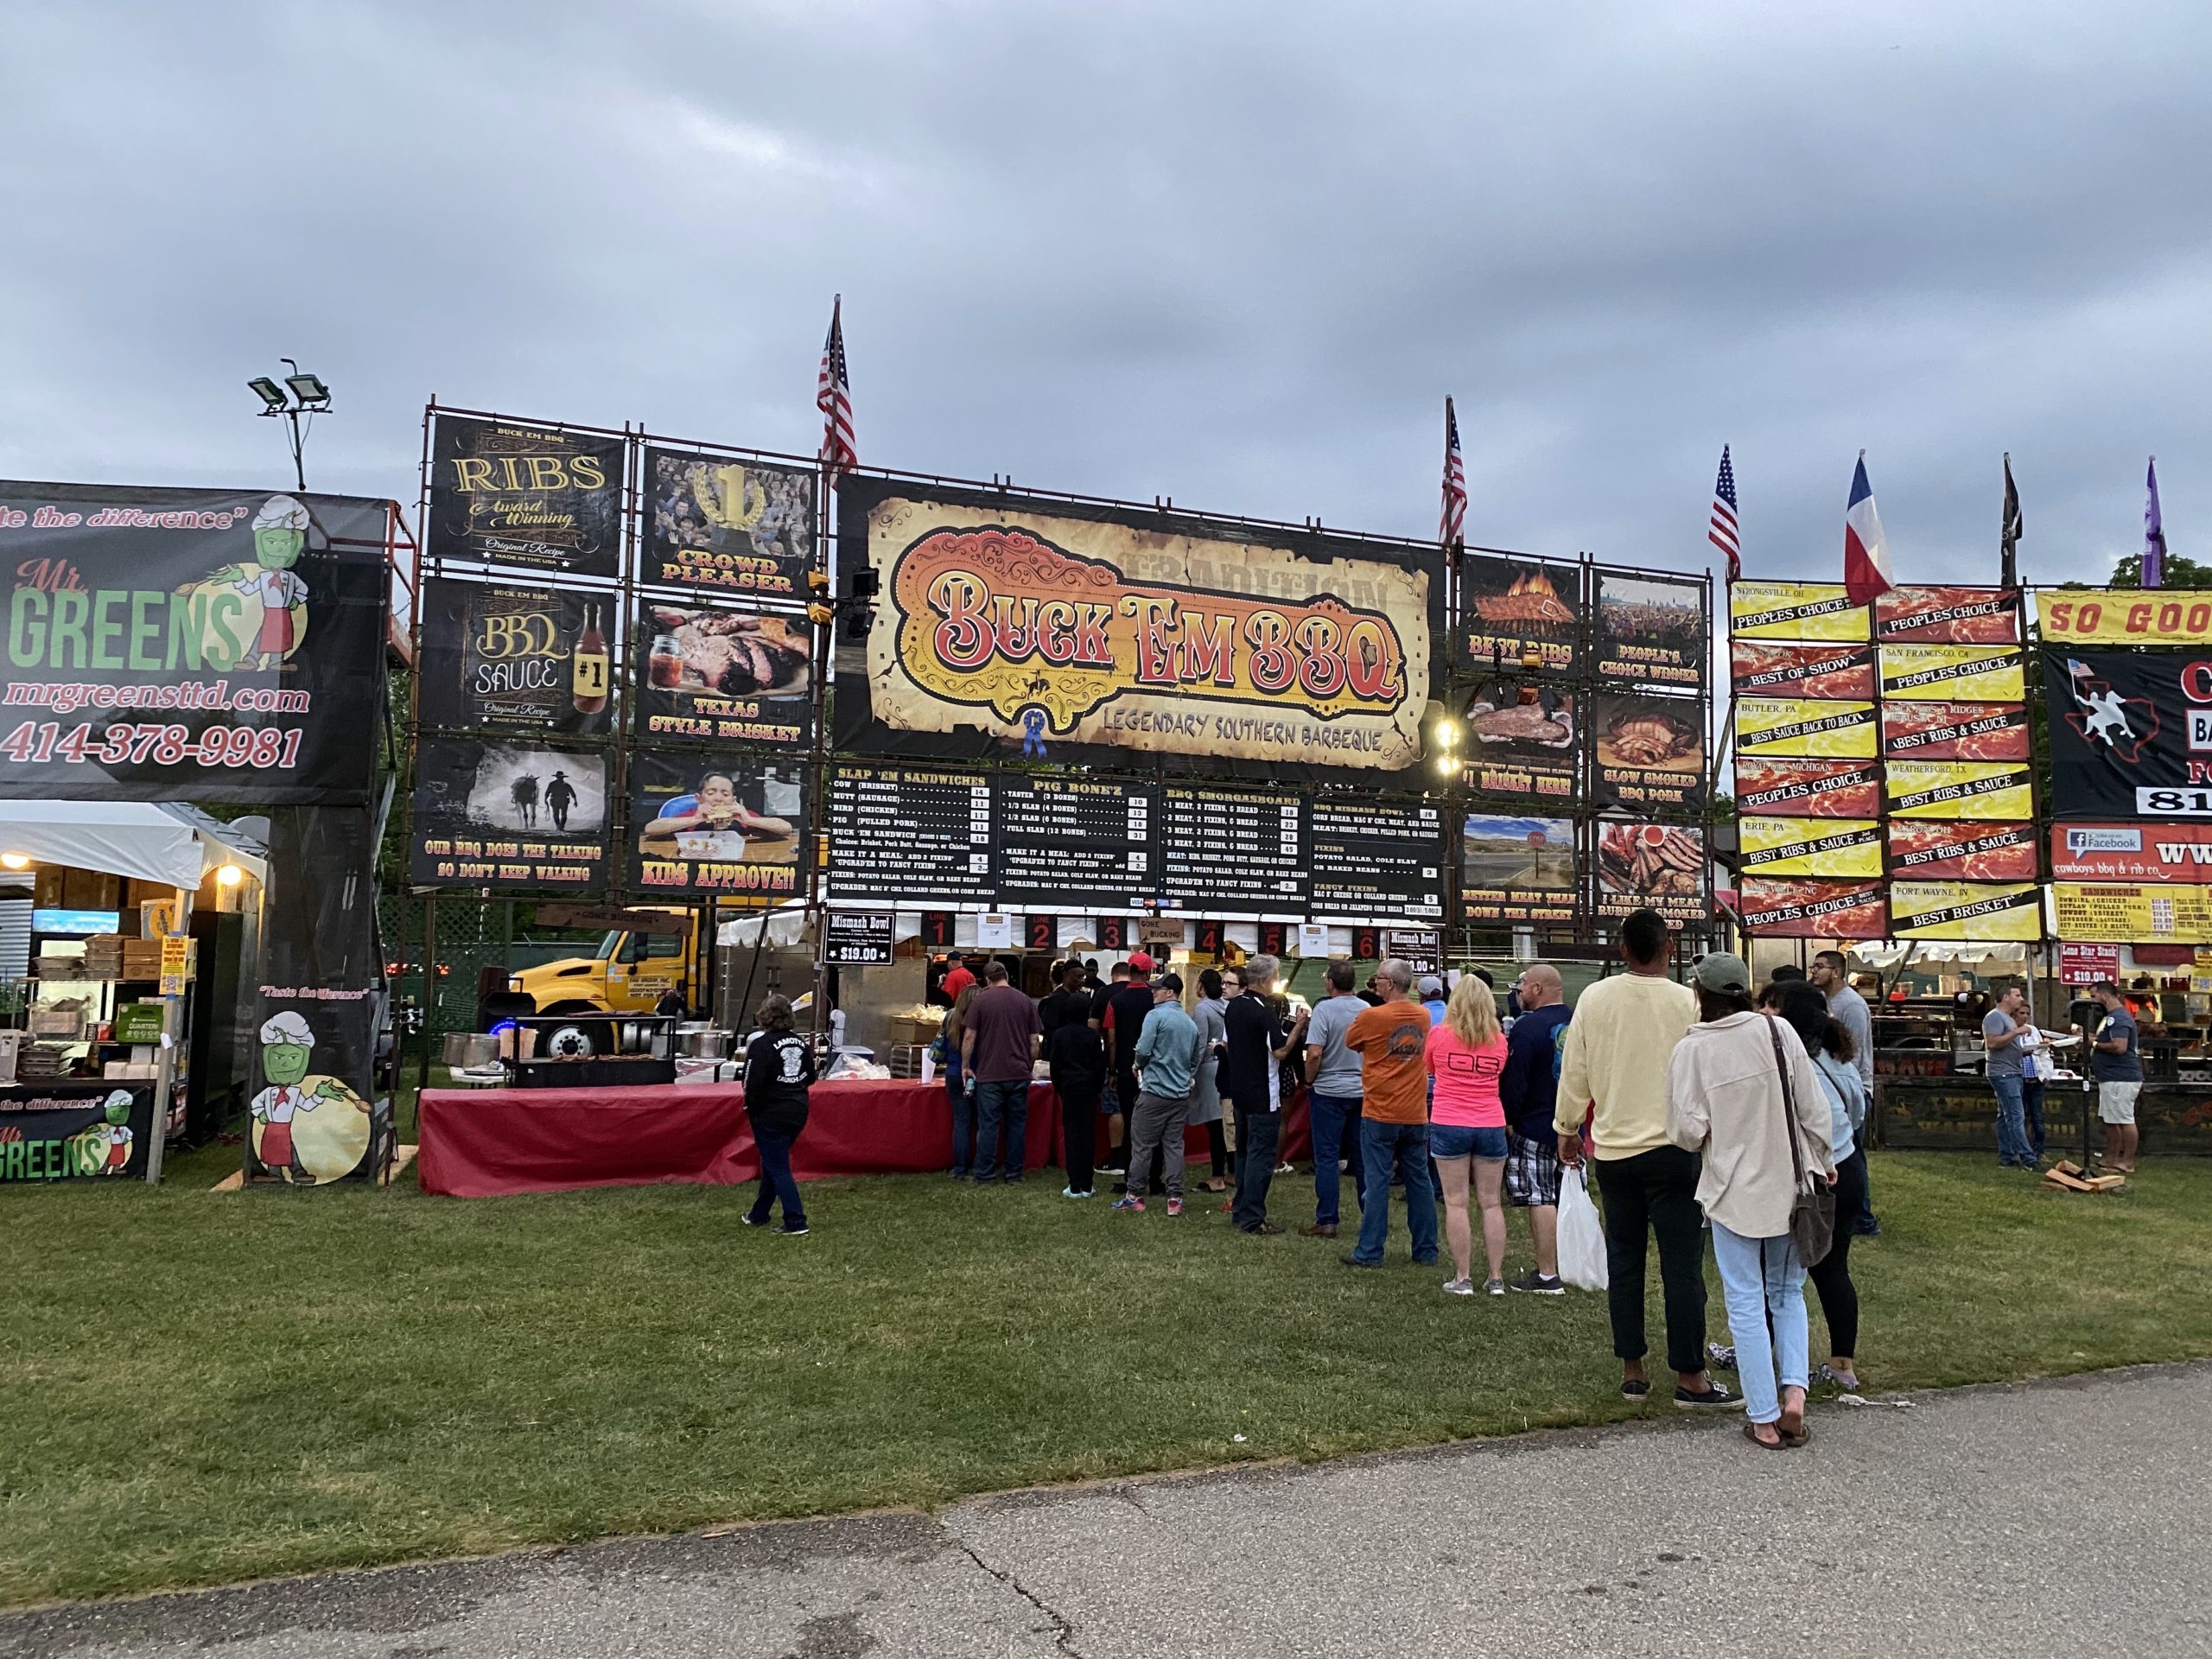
<point x="1724" y="1098"/>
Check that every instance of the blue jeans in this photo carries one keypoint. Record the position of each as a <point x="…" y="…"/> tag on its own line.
<point x="2012" y="1129"/>
<point x="776" y="1180"/>
<point x="996" y="1102"/>
<point x="1330" y="1116"/>
<point x="2031" y="1111"/>
<point x="1764" y="1283"/>
<point x="1401" y="1149"/>
<point x="964" y="1119"/>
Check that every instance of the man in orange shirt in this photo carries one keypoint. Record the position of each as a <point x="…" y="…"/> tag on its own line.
<point x="1391" y="1039"/>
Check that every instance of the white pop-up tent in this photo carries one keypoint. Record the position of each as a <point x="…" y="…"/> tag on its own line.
<point x="174" y="845"/>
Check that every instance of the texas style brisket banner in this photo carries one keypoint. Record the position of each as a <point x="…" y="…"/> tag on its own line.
<point x="726" y="524"/>
<point x="1013" y="627"/>
<point x="190" y="644"/>
<point x="717" y="824"/>
<point x="2131" y="733"/>
<point x="536" y="496"/>
<point x="515" y="659"/>
<point x="722" y="676"/>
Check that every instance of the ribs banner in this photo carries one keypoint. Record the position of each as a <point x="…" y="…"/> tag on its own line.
<point x="536" y="496"/>
<point x="1959" y="788"/>
<point x="1948" y="616"/>
<point x="2126" y="616"/>
<point x="1522" y="742"/>
<point x="1963" y="910"/>
<point x="1829" y="847"/>
<point x="1928" y="848"/>
<point x="1790" y="909"/>
<point x="1844" y="672"/>
<point x="722" y="677"/>
<point x="2131" y="852"/>
<point x="2131" y="733"/>
<point x="718" y="823"/>
<point x="1954" y="731"/>
<point x="726" y="524"/>
<point x="1963" y="673"/>
<point x="1809" y="789"/>
<point x="1795" y="610"/>
<point x="1659" y="866"/>
<point x="1650" y="631"/>
<point x="2133" y="914"/>
<point x="1519" y="613"/>
<point x="1802" y="728"/>
<point x="1649" y="751"/>
<point x="1077" y="632"/>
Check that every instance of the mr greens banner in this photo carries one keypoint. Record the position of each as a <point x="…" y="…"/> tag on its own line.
<point x="190" y="644"/>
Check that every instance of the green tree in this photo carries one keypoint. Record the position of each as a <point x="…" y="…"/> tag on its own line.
<point x="2180" y="572"/>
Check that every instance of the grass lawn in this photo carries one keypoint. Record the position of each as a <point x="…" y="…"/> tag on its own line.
<point x="204" y="1388"/>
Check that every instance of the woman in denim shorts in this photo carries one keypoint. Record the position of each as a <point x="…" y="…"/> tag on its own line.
<point x="1466" y="1055"/>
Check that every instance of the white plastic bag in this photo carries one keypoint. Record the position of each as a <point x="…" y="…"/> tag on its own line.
<point x="1581" y="1238"/>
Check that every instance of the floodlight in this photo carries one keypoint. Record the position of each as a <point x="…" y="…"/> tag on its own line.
<point x="15" y="861"/>
<point x="229" y="875"/>
<point x="271" y="394"/>
<point x="308" y="389"/>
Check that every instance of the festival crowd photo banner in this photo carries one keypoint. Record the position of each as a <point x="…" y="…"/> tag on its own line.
<point x="724" y="523"/>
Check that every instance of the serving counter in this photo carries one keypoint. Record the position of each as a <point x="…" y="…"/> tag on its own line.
<point x="1959" y="1114"/>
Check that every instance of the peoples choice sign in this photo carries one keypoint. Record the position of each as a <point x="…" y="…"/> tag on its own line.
<point x="1046" y="630"/>
<point x="2131" y="852"/>
<point x="2131" y="733"/>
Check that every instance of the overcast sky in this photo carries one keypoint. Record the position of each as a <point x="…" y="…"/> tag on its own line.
<point x="1234" y="254"/>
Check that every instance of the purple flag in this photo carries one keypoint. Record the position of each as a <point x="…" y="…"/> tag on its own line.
<point x="2154" y="534"/>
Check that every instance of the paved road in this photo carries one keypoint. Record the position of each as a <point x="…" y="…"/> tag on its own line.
<point x="2059" y="1518"/>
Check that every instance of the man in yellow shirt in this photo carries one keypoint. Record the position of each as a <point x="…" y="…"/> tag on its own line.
<point x="1617" y="1047"/>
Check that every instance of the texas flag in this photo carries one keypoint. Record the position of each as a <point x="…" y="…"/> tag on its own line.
<point x="1865" y="555"/>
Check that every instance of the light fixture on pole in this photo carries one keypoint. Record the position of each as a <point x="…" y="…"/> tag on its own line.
<point x="308" y="397"/>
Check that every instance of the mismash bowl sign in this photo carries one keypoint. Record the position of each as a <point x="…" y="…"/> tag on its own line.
<point x="1046" y="630"/>
<point x="190" y="645"/>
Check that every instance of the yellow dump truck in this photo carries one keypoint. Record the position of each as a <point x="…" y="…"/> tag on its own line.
<point x="628" y="974"/>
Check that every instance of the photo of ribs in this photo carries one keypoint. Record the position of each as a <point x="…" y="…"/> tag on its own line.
<point x="1948" y="849"/>
<point x="1650" y="860"/>
<point x="1954" y="731"/>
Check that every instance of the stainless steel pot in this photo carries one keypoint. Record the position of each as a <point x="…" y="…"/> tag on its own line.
<point x="469" y="1051"/>
<point x="708" y="1045"/>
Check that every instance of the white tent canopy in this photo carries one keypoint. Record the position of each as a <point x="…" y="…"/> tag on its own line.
<point x="135" y="838"/>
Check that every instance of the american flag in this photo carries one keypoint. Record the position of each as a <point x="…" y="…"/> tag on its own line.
<point x="833" y="396"/>
<point x="1452" y="529"/>
<point x="1722" y="533"/>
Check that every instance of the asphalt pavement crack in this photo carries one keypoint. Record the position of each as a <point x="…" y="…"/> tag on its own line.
<point x="1064" y="1632"/>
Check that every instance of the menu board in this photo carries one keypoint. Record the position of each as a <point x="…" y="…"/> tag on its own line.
<point x="1650" y="631"/>
<point x="717" y="824"/>
<point x="512" y="658"/>
<point x="1232" y="853"/>
<point x="1375" y="861"/>
<point x="1516" y="869"/>
<point x="727" y="523"/>
<point x="722" y="676"/>
<point x="1074" y="844"/>
<point x="1648" y="752"/>
<point x="536" y="497"/>
<point x="507" y="816"/>
<point x="1519" y="613"/>
<point x="860" y="938"/>
<point x="911" y="837"/>
<point x="2133" y="914"/>
<point x="1524" y="742"/>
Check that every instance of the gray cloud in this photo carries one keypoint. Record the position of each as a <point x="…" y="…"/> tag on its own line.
<point x="1233" y="253"/>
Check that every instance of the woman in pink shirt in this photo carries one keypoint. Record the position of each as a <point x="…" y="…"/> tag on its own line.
<point x="1466" y="1055"/>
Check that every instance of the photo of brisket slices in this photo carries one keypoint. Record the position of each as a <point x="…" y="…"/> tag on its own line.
<point x="1809" y="789"/>
<point x="733" y="653"/>
<point x="1954" y="731"/>
<point x="1842" y="671"/>
<point x="1948" y="849"/>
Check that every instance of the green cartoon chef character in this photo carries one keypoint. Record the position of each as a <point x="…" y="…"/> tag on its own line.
<point x="116" y="1132"/>
<point x="287" y="1046"/>
<point x="280" y="534"/>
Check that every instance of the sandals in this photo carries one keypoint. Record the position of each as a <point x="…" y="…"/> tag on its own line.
<point x="1217" y="1185"/>
<point x="1752" y="1434"/>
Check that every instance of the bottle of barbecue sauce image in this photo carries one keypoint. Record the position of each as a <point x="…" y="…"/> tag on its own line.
<point x="589" y="666"/>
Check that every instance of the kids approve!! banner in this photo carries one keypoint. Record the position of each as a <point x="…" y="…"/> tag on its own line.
<point x="190" y="644"/>
<point x="1011" y="627"/>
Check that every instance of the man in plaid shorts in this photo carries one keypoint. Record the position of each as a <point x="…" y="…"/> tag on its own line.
<point x="1530" y="1087"/>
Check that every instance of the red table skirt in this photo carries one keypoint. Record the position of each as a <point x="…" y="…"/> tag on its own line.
<point x="479" y="1142"/>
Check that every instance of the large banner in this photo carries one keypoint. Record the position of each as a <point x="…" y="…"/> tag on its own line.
<point x="1826" y="846"/>
<point x="1514" y="869"/>
<point x="75" y="1131"/>
<point x="1954" y="731"/>
<point x="726" y="524"/>
<point x="1789" y="908"/>
<point x="1804" y="729"/>
<point x="508" y="817"/>
<point x="511" y="659"/>
<point x="1797" y="610"/>
<point x="1959" y="788"/>
<point x="192" y="644"/>
<point x="1010" y="625"/>
<point x="2126" y="616"/>
<point x="2131" y="852"/>
<point x="1660" y="867"/>
<point x="1519" y="613"/>
<point x="723" y="677"/>
<point x="1844" y="672"/>
<point x="534" y="497"/>
<point x="1649" y="751"/>
<point x="1928" y="848"/>
<point x="2133" y="914"/>
<point x="2131" y="733"/>
<point x="1948" y="616"/>
<point x="1964" y="910"/>
<point x="1650" y="630"/>
<point x="1523" y="741"/>
<point x="1953" y="673"/>
<point x="717" y="824"/>
<point x="1809" y="789"/>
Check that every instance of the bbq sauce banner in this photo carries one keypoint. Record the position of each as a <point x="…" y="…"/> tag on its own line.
<point x="1659" y="866"/>
<point x="1648" y="752"/>
<point x="1845" y="672"/>
<point x="1512" y="610"/>
<point x="1948" y="616"/>
<point x="1805" y="729"/>
<point x="726" y="524"/>
<point x="1052" y="630"/>
<point x="1954" y="731"/>
<point x="1948" y="673"/>
<point x="1795" y="610"/>
<point x="511" y="659"/>
<point x="190" y="644"/>
<point x="1964" y="910"/>
<point x="1524" y="742"/>
<point x="509" y="816"/>
<point x="1809" y="789"/>
<point x="532" y="497"/>
<point x="1959" y="788"/>
<point x="1650" y="631"/>
<point x="722" y="677"/>
<point x="2131" y="733"/>
<point x="1832" y="847"/>
<point x="72" y="1130"/>
<point x="1514" y="869"/>
<point x="717" y="825"/>
<point x="1962" y="851"/>
<point x="1794" y="909"/>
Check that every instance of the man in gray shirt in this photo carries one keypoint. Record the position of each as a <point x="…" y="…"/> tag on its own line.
<point x="1332" y="1092"/>
<point x="1831" y="976"/>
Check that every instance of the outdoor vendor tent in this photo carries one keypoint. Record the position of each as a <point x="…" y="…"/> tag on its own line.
<point x="174" y="845"/>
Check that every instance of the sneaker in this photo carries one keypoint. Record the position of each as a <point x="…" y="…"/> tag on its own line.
<point x="1318" y="1230"/>
<point x="1494" y="1287"/>
<point x="1723" y="1358"/>
<point x="1354" y="1261"/>
<point x="1848" y="1381"/>
<point x="1131" y="1203"/>
<point x="1286" y="1169"/>
<point x="1174" y="1206"/>
<point x="1867" y="1228"/>
<point x="1635" y="1387"/>
<point x="1069" y="1192"/>
<point x="1718" y="1396"/>
<point x="1538" y="1284"/>
<point x="790" y="1231"/>
<point x="1459" y="1287"/>
<point x="753" y="1221"/>
<point x="1120" y="1187"/>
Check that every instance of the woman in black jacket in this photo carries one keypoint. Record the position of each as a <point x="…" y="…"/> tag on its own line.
<point x="779" y="1069"/>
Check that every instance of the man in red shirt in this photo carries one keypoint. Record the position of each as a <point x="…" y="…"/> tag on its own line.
<point x="956" y="978"/>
